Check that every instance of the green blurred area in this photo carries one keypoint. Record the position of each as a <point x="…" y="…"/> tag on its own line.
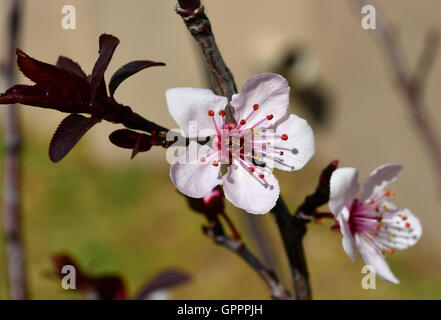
<point x="129" y="220"/>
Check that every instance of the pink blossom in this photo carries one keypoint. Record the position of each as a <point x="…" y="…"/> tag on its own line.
<point x="370" y="223"/>
<point x="262" y="137"/>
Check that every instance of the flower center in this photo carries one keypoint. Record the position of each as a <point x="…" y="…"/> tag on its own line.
<point x="244" y="143"/>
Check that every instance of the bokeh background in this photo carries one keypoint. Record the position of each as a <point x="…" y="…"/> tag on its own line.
<point x="124" y="216"/>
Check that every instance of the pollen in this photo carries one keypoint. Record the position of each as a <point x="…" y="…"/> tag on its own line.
<point x="386" y="207"/>
<point x="391" y="235"/>
<point x="261" y="175"/>
<point x="256" y="107"/>
<point x="270" y="117"/>
<point x="243" y="122"/>
<point x="284" y="137"/>
<point x="251" y="169"/>
<point x="215" y="163"/>
<point x="222" y="113"/>
<point x="393" y="193"/>
<point x="211" y="113"/>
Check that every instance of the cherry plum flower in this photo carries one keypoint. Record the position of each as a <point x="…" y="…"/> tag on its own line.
<point x="241" y="154"/>
<point x="371" y="224"/>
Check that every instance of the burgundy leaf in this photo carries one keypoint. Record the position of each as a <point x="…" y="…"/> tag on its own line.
<point x="163" y="280"/>
<point x="128" y="70"/>
<point x="109" y="287"/>
<point x="61" y="260"/>
<point x="68" y="133"/>
<point x="48" y="74"/>
<point x="129" y="139"/>
<point x="108" y="43"/>
<point x="39" y="96"/>
<point x="68" y="64"/>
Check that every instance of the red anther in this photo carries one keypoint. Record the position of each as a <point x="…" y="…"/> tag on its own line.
<point x="251" y="169"/>
<point x="203" y="159"/>
<point x="211" y="113"/>
<point x="387" y="192"/>
<point x="281" y="153"/>
<point x="377" y="208"/>
<point x="255" y="107"/>
<point x="242" y="122"/>
<point x="215" y="163"/>
<point x="284" y="137"/>
<point x="404" y="218"/>
<point x="407" y="225"/>
<point x="375" y="232"/>
<point x="261" y="175"/>
<point x="391" y="250"/>
<point x="372" y="201"/>
<point x="222" y="113"/>
<point x="269" y="117"/>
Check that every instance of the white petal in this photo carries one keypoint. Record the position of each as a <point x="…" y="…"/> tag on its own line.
<point x="248" y="192"/>
<point x="270" y="91"/>
<point x="192" y="177"/>
<point x="344" y="187"/>
<point x="348" y="240"/>
<point x="373" y="256"/>
<point x="378" y="180"/>
<point x="403" y="230"/>
<point x="189" y="107"/>
<point x="300" y="146"/>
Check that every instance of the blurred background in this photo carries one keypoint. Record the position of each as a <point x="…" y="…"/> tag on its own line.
<point x="124" y="216"/>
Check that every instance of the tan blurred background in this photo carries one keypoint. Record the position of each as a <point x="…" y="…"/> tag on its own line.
<point x="369" y="126"/>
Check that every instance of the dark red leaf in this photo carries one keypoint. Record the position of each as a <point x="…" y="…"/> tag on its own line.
<point x="163" y="280"/>
<point x="48" y="74"/>
<point x="108" y="43"/>
<point x="68" y="133"/>
<point x="68" y="64"/>
<point x="39" y="96"/>
<point x="128" y="70"/>
<point x="109" y="287"/>
<point x="129" y="139"/>
<point x="61" y="260"/>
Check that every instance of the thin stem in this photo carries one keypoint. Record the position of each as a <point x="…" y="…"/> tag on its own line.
<point x="216" y="232"/>
<point x="411" y="85"/>
<point x="11" y="191"/>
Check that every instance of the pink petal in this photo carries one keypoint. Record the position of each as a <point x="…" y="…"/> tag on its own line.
<point x="378" y="180"/>
<point x="189" y="107"/>
<point x="372" y="256"/>
<point x="249" y="192"/>
<point x="403" y="230"/>
<point x="348" y="240"/>
<point x="270" y="91"/>
<point x="192" y="177"/>
<point x="300" y="146"/>
<point x="344" y="187"/>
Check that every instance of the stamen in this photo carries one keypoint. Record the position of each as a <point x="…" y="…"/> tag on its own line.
<point x="255" y="107"/>
<point x="391" y="250"/>
<point x="243" y="122"/>
<point x="215" y="163"/>
<point x="387" y="193"/>
<point x="270" y="117"/>
<point x="251" y="169"/>
<point x="211" y="113"/>
<point x="284" y="137"/>
<point x="404" y="218"/>
<point x="222" y="113"/>
<point x="407" y="225"/>
<point x="261" y="175"/>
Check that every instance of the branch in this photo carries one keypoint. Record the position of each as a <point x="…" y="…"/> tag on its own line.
<point x="11" y="191"/>
<point x="216" y="232"/>
<point x="411" y="84"/>
<point x="293" y="229"/>
<point x="222" y="82"/>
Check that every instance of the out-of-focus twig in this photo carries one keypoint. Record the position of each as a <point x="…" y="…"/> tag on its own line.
<point x="411" y="83"/>
<point x="11" y="189"/>
<point x="222" y="82"/>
